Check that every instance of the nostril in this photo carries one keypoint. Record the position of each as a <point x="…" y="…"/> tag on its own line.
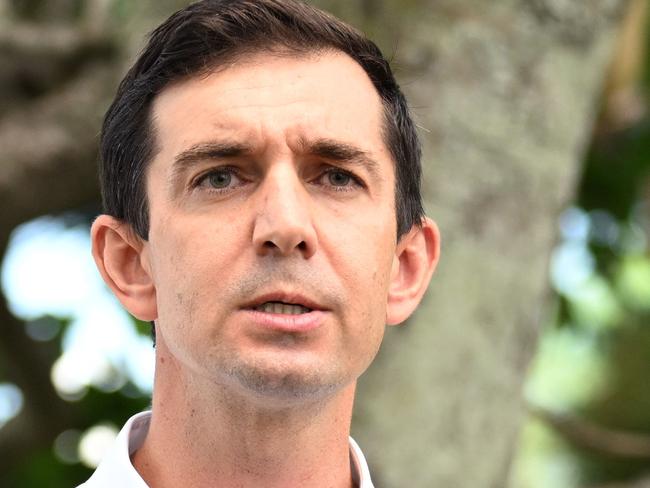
<point x="302" y="246"/>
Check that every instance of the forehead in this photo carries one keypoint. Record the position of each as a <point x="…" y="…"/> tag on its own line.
<point x="273" y="101"/>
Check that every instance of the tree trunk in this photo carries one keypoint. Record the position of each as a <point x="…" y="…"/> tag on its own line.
<point x="505" y="94"/>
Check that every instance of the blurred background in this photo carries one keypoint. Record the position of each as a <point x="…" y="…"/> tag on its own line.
<point x="528" y="363"/>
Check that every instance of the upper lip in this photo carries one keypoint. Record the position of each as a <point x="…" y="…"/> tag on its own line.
<point x="285" y="297"/>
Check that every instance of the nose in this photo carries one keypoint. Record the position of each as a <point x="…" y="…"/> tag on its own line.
<point x="283" y="224"/>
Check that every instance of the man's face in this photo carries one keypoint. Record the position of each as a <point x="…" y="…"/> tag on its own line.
<point x="272" y="184"/>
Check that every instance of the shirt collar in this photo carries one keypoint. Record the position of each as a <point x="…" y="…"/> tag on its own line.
<point x="116" y="468"/>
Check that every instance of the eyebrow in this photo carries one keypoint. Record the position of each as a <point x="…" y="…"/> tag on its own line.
<point x="208" y="151"/>
<point x="330" y="149"/>
<point x="341" y="152"/>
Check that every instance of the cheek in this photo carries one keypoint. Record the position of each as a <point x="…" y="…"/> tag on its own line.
<point x="191" y="264"/>
<point x="362" y="257"/>
<point x="199" y="246"/>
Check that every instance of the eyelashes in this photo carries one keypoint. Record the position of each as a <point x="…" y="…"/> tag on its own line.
<point x="219" y="179"/>
<point x="340" y="180"/>
<point x="224" y="179"/>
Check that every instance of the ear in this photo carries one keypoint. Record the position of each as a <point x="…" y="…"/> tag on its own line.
<point x="416" y="257"/>
<point x="121" y="258"/>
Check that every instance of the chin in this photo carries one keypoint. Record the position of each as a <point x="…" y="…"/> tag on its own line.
<point x="286" y="386"/>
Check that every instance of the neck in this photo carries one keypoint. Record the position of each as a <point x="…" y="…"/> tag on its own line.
<point x="202" y="434"/>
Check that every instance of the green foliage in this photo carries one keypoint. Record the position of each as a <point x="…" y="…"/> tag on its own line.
<point x="43" y="468"/>
<point x="42" y="465"/>
<point x="548" y="459"/>
<point x="593" y="360"/>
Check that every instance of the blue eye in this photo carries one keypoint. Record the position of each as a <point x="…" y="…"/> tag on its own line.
<point x="219" y="179"/>
<point x="338" y="178"/>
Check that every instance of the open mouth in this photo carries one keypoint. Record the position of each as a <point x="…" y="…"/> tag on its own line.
<point x="282" y="308"/>
<point x="286" y="312"/>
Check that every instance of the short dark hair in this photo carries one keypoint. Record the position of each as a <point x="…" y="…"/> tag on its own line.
<point x="210" y="33"/>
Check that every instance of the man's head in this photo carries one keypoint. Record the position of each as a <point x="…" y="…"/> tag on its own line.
<point x="211" y="34"/>
<point x="265" y="227"/>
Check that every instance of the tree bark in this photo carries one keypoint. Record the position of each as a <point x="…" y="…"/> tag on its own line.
<point x="505" y="94"/>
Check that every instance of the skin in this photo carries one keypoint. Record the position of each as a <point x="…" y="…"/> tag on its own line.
<point x="271" y="182"/>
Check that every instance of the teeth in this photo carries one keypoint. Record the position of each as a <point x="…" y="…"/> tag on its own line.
<point x="282" y="308"/>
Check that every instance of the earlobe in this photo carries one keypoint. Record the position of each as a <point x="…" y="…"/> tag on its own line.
<point x="415" y="260"/>
<point x="122" y="261"/>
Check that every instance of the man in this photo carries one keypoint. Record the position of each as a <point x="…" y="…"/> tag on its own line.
<point x="260" y="176"/>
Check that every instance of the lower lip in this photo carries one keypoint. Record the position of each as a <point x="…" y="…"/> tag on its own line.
<point x="303" y="322"/>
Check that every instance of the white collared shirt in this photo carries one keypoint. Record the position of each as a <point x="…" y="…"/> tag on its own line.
<point x="116" y="468"/>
